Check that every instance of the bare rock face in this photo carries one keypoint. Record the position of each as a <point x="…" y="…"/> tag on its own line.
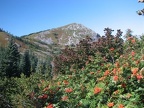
<point x="65" y="35"/>
<point x="51" y="41"/>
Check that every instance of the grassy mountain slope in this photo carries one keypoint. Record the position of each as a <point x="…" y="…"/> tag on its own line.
<point x="52" y="40"/>
<point x="49" y="42"/>
<point x="65" y="35"/>
<point x="4" y="37"/>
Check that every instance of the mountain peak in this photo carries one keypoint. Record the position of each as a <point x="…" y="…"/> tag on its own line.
<point x="65" y="35"/>
<point x="75" y="26"/>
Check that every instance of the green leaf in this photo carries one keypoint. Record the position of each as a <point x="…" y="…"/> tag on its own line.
<point x="101" y="85"/>
<point x="84" y="102"/>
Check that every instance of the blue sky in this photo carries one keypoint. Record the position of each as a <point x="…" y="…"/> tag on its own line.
<point x="21" y="17"/>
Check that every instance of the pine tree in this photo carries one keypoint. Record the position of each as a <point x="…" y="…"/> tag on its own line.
<point x="26" y="64"/>
<point x="39" y="67"/>
<point x="10" y="62"/>
<point x="34" y="61"/>
<point x="2" y="56"/>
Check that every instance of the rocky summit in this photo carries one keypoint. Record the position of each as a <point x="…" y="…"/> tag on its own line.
<point x="65" y="35"/>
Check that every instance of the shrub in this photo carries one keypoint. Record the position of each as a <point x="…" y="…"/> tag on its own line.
<point x="110" y="47"/>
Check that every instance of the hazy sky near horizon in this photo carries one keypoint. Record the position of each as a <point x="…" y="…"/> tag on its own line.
<point x="21" y="17"/>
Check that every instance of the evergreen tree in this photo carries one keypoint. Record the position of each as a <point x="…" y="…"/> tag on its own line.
<point x="2" y="56"/>
<point x="49" y="65"/>
<point x="39" y="67"/>
<point x="10" y="62"/>
<point x="44" y="66"/>
<point x="34" y="61"/>
<point x="26" y="64"/>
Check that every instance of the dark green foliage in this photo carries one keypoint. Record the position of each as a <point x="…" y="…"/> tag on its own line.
<point x="4" y="102"/>
<point x="142" y="41"/>
<point x="11" y="60"/>
<point x="47" y="66"/>
<point x="40" y="67"/>
<point x="44" y="66"/>
<point x="2" y="56"/>
<point x="33" y="61"/>
<point x="20" y="92"/>
<point x="8" y="86"/>
<point x="26" y="64"/>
